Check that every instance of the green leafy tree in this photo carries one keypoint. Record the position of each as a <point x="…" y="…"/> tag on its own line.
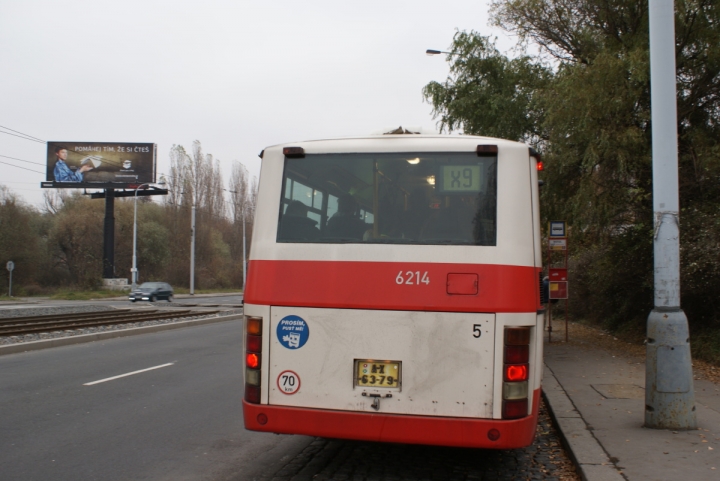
<point x="590" y="115"/>
<point x="488" y="93"/>
<point x="21" y="242"/>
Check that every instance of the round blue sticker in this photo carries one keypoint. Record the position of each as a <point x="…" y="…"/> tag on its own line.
<point x="293" y="332"/>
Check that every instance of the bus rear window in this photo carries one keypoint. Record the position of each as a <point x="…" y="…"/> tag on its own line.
<point x="391" y="198"/>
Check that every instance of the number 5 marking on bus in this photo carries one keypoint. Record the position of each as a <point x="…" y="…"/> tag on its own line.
<point x="477" y="330"/>
<point x="411" y="278"/>
<point x="288" y="382"/>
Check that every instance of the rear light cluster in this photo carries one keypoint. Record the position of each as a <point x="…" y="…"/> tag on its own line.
<point x="516" y="371"/>
<point x="253" y="358"/>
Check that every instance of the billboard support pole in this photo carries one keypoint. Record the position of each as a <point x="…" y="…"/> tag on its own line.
<point x="109" y="236"/>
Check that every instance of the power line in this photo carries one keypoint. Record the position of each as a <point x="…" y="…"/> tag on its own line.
<point x="22" y="137"/>
<point x="30" y="137"/>
<point x="21" y="160"/>
<point x="24" y="168"/>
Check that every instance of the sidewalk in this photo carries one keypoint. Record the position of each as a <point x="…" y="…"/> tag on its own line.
<point x="597" y="397"/>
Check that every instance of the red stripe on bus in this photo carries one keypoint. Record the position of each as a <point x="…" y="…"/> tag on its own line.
<point x="394" y="428"/>
<point x="391" y="285"/>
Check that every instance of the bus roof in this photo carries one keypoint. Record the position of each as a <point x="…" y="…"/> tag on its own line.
<point x="400" y="142"/>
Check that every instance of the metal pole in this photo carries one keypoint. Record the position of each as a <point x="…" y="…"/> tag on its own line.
<point x="192" y="251"/>
<point x="566" y="318"/>
<point x="10" y="286"/>
<point x="567" y="301"/>
<point x="244" y="260"/>
<point x="109" y="235"/>
<point x="133" y="271"/>
<point x="669" y="396"/>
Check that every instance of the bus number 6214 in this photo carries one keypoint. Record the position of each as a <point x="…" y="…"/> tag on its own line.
<point x="411" y="278"/>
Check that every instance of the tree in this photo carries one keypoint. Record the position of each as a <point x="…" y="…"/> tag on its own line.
<point x="20" y="242"/>
<point x="590" y="115"/>
<point x="488" y="93"/>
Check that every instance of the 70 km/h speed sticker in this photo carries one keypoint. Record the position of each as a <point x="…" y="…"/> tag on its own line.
<point x="288" y="382"/>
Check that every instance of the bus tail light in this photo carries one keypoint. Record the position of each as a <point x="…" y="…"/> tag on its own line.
<point x="517" y="354"/>
<point x="516" y="372"/>
<point x="253" y="356"/>
<point x="515" y="409"/>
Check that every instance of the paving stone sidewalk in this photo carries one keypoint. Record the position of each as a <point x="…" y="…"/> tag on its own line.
<point x="597" y="398"/>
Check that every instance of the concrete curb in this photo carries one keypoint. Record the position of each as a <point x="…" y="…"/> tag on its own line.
<point x="102" y="336"/>
<point x="588" y="455"/>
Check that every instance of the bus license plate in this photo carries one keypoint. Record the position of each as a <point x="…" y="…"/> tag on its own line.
<point x="377" y="374"/>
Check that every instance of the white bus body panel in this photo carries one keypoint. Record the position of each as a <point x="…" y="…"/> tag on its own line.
<point x="445" y="370"/>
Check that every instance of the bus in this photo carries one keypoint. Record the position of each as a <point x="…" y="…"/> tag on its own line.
<point x="394" y="291"/>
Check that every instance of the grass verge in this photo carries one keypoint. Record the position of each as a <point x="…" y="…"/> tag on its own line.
<point x="185" y="290"/>
<point x="68" y="295"/>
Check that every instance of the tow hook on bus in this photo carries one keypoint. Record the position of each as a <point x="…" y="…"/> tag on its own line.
<point x="376" y="401"/>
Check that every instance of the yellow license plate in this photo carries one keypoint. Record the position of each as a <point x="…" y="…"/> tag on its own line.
<point x="377" y="373"/>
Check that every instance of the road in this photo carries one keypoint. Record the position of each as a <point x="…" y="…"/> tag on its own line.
<point x="179" y="422"/>
<point x="182" y="421"/>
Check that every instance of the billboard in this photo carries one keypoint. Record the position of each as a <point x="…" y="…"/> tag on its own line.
<point x="99" y="164"/>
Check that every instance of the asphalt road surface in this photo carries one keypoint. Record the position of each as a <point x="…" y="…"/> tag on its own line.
<point x="167" y="406"/>
<point x="178" y="422"/>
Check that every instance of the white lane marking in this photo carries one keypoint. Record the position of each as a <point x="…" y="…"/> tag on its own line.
<point x="127" y="374"/>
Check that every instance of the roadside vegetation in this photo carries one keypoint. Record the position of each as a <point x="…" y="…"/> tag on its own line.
<point x="57" y="250"/>
<point x="580" y="94"/>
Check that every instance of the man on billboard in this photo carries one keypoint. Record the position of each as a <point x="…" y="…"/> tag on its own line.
<point x="62" y="172"/>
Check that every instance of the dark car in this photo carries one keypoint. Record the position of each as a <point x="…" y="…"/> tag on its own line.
<point x="152" y="291"/>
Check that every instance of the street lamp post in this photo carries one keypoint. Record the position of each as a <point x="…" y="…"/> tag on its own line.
<point x="134" y="256"/>
<point x="244" y="260"/>
<point x="669" y="393"/>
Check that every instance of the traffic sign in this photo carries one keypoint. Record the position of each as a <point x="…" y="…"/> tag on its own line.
<point x="558" y="244"/>
<point x="10" y="266"/>
<point x="558" y="228"/>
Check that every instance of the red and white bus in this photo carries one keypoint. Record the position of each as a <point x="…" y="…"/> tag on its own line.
<point x="394" y="291"/>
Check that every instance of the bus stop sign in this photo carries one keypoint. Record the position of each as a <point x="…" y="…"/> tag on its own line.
<point x="558" y="274"/>
<point x="558" y="290"/>
<point x="10" y="266"/>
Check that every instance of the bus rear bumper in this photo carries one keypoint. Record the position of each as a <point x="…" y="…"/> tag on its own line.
<point x="394" y="428"/>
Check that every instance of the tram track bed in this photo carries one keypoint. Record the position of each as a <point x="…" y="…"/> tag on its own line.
<point x="18" y="330"/>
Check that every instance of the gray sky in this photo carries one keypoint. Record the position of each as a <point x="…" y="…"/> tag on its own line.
<point x="237" y="75"/>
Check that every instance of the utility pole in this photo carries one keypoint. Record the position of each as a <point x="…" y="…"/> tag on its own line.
<point x="244" y="259"/>
<point x="669" y="395"/>
<point x="192" y="249"/>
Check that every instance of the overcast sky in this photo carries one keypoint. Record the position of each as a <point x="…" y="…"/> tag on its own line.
<point x="237" y="75"/>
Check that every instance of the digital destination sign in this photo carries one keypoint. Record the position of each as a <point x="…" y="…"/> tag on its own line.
<point x="460" y="179"/>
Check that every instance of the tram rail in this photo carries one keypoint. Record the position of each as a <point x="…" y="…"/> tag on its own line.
<point x="36" y="324"/>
